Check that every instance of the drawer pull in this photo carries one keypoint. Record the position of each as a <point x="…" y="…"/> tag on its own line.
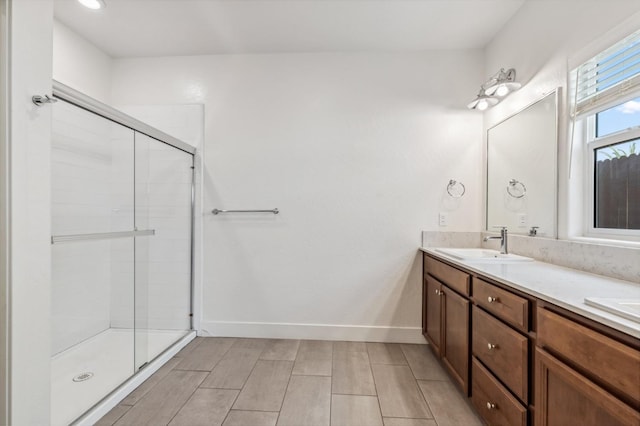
<point x="492" y="299"/>
<point x="491" y="346"/>
<point x="491" y="406"/>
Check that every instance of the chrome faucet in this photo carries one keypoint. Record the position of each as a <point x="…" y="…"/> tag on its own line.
<point x="504" y="247"/>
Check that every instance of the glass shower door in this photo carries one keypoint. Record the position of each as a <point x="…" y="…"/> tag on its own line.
<point x="92" y="260"/>
<point x="121" y="255"/>
<point x="163" y="177"/>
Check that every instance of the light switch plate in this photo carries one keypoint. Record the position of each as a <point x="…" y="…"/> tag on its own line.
<point x="442" y="219"/>
<point x="522" y="220"/>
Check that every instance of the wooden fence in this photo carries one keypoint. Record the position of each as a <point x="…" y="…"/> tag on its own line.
<point x="618" y="193"/>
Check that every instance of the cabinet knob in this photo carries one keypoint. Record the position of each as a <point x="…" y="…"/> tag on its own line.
<point x="491" y="406"/>
<point x="439" y="292"/>
<point x="491" y="346"/>
<point x="492" y="299"/>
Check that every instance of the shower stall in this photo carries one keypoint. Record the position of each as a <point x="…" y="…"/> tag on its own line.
<point x="122" y="253"/>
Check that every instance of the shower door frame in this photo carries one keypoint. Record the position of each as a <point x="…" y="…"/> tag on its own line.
<point x="94" y="106"/>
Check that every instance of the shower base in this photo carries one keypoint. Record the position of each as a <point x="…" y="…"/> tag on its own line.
<point x="108" y="358"/>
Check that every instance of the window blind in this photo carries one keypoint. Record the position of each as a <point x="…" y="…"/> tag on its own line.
<point x="609" y="77"/>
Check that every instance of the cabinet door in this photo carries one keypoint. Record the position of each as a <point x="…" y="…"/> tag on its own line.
<point x="432" y="316"/>
<point x="455" y="352"/>
<point x="565" y="397"/>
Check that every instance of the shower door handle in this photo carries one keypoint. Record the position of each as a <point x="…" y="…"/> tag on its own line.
<point x="101" y="236"/>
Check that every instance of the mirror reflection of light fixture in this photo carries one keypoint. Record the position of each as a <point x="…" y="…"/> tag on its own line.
<point x="93" y="4"/>
<point x="498" y="86"/>
<point x="483" y="101"/>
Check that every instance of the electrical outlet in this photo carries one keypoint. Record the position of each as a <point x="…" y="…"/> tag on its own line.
<point x="442" y="219"/>
<point x="522" y="220"/>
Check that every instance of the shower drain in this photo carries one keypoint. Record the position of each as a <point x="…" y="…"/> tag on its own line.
<point x="82" y="377"/>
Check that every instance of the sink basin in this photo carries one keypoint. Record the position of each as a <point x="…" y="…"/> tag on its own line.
<point x="626" y="308"/>
<point x="482" y="255"/>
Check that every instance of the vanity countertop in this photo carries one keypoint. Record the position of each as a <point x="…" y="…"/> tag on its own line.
<point x="561" y="286"/>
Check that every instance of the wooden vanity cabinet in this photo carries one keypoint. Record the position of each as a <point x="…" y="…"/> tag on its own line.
<point x="446" y="318"/>
<point x="525" y="361"/>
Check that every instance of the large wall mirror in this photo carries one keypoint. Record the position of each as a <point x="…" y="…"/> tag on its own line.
<point x="522" y="170"/>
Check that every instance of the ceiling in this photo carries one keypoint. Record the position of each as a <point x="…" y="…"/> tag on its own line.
<point x="132" y="28"/>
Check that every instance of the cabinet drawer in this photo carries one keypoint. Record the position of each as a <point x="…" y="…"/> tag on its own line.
<point x="608" y="361"/>
<point x="506" y="305"/>
<point x="492" y="401"/>
<point x="503" y="350"/>
<point x="452" y="277"/>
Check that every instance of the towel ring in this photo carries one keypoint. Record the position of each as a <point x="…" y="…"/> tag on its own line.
<point x="455" y="189"/>
<point x="516" y="189"/>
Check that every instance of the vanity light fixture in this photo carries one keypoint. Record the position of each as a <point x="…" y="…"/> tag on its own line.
<point x="93" y="4"/>
<point x="502" y="83"/>
<point x="483" y="101"/>
<point x="498" y="86"/>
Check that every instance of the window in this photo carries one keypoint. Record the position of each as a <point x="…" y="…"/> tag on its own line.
<point x="607" y="104"/>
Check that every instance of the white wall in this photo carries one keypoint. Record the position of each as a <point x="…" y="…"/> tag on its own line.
<point x="80" y="64"/>
<point x="354" y="149"/>
<point x="30" y="212"/>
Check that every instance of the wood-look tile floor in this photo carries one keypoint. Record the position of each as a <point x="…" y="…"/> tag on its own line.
<point x="267" y="382"/>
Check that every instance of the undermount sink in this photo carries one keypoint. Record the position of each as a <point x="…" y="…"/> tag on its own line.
<point x="626" y="308"/>
<point x="482" y="255"/>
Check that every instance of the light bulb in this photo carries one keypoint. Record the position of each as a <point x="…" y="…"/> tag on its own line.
<point x="502" y="90"/>
<point x="92" y="4"/>
<point x="482" y="104"/>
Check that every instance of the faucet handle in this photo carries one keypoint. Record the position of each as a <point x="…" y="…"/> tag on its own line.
<point x="503" y="229"/>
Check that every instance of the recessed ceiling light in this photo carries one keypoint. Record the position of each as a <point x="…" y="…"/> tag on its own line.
<point x="93" y="4"/>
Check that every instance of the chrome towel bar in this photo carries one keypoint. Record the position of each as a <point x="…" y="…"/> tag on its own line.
<point x="218" y="211"/>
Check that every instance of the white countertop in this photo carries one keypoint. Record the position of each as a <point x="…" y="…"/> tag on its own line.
<point x="561" y="286"/>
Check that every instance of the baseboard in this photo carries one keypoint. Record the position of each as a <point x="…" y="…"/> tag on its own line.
<point x="356" y="333"/>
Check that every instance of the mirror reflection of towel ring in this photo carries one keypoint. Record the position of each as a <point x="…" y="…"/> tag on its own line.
<point x="516" y="189"/>
<point x="455" y="189"/>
